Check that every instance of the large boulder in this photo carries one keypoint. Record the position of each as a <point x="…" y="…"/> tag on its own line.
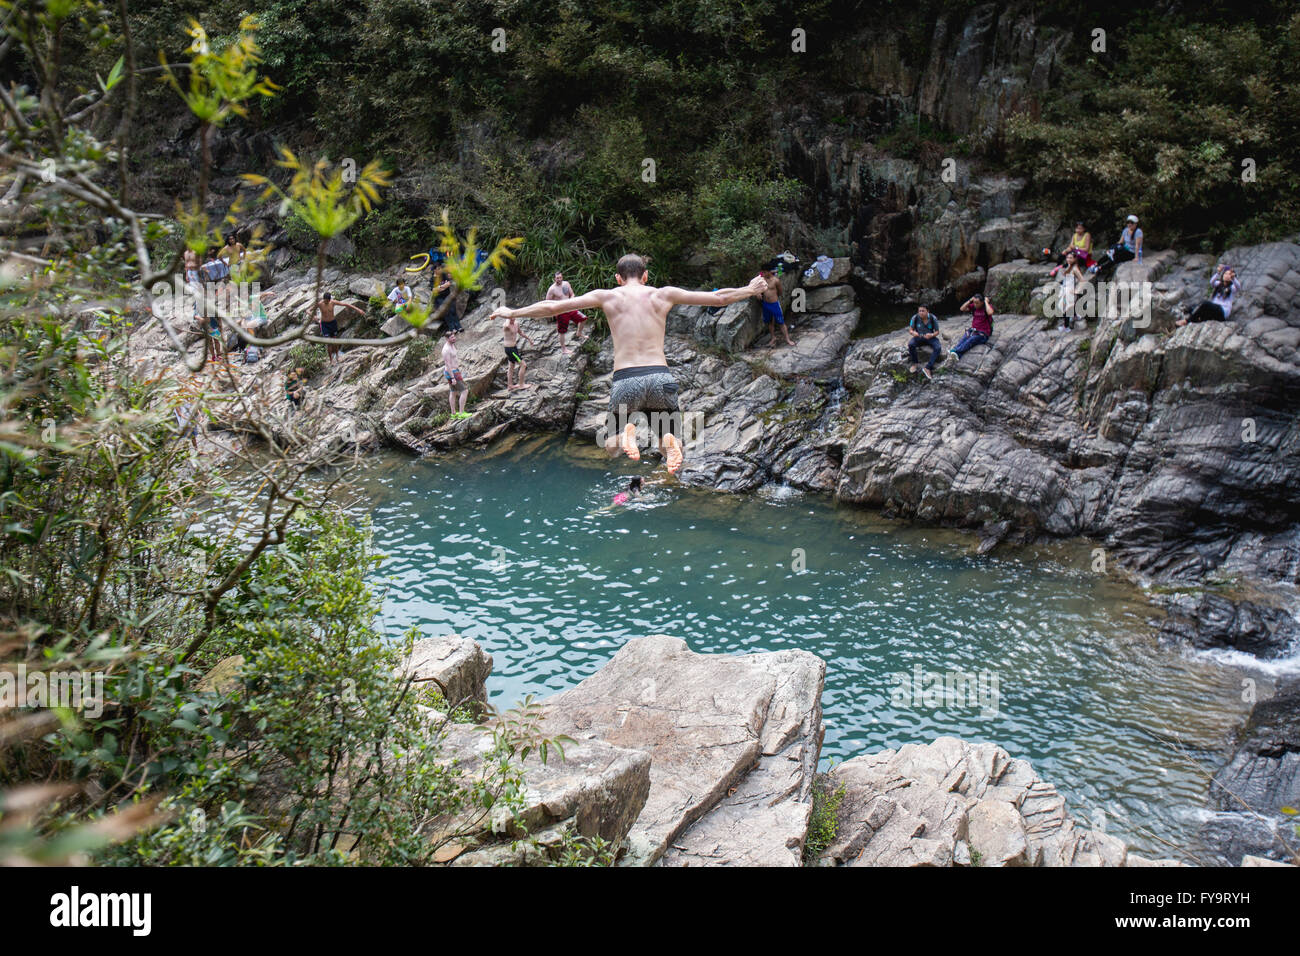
<point x="819" y="345"/>
<point x="955" y="803"/>
<point x="707" y="722"/>
<point x="593" y="790"/>
<point x="733" y="327"/>
<point x="457" y="666"/>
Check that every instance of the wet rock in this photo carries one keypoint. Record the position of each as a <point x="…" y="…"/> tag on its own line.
<point x="1212" y="620"/>
<point x="1260" y="778"/>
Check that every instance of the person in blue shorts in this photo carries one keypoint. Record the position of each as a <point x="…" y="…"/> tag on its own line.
<point x="772" y="314"/>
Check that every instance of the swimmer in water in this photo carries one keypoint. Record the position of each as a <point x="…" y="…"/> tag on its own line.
<point x="633" y="488"/>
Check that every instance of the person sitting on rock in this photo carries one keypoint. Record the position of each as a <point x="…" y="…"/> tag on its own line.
<point x="1223" y="288"/>
<point x="981" y="325"/>
<point x="401" y="295"/>
<point x="1129" y="247"/>
<point x="295" y="389"/>
<point x="924" y="329"/>
<point x="771" y="302"/>
<point x="1080" y="245"/>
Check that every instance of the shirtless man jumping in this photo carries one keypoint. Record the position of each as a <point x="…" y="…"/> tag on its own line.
<point x="510" y="335"/>
<point x="637" y="314"/>
<point x="561" y="290"/>
<point x="329" y="326"/>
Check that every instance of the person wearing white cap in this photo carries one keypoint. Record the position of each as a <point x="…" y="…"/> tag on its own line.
<point x="1128" y="247"/>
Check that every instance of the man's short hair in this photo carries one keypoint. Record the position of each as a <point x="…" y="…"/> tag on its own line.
<point x="631" y="266"/>
<point x="922" y="306"/>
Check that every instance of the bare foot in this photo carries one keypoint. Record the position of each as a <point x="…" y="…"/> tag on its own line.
<point x="629" y="443"/>
<point x="566" y="351"/>
<point x="673" y="453"/>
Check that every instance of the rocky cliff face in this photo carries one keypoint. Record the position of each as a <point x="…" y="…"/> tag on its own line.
<point x="912" y="224"/>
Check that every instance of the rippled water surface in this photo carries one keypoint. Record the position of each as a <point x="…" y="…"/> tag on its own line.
<point x="521" y="550"/>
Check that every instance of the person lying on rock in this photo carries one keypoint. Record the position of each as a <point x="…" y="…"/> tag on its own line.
<point x="773" y="317"/>
<point x="981" y="325"/>
<point x="1223" y="288"/>
<point x="637" y="313"/>
<point x="924" y="329"/>
<point x="510" y="335"/>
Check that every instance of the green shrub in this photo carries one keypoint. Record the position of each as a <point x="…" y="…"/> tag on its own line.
<point x="309" y="356"/>
<point x="823" y="824"/>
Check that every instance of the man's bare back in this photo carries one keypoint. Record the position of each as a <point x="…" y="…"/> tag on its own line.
<point x="637" y="314"/>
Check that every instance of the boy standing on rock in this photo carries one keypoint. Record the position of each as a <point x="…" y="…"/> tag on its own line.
<point x="329" y="325"/>
<point x="638" y="313"/>
<point x="456" y="387"/>
<point x="510" y="335"/>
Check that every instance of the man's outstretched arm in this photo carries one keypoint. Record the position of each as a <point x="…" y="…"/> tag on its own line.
<point x="547" y="307"/>
<point x="757" y="286"/>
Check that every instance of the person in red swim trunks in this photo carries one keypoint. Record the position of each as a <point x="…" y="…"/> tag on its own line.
<point x="562" y="290"/>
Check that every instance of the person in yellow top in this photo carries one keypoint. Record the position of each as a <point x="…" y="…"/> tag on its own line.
<point x="1080" y="245"/>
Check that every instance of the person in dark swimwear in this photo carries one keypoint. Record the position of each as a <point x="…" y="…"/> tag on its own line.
<point x="329" y="325"/>
<point x="773" y="317"/>
<point x="637" y="313"/>
<point x="510" y="335"/>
